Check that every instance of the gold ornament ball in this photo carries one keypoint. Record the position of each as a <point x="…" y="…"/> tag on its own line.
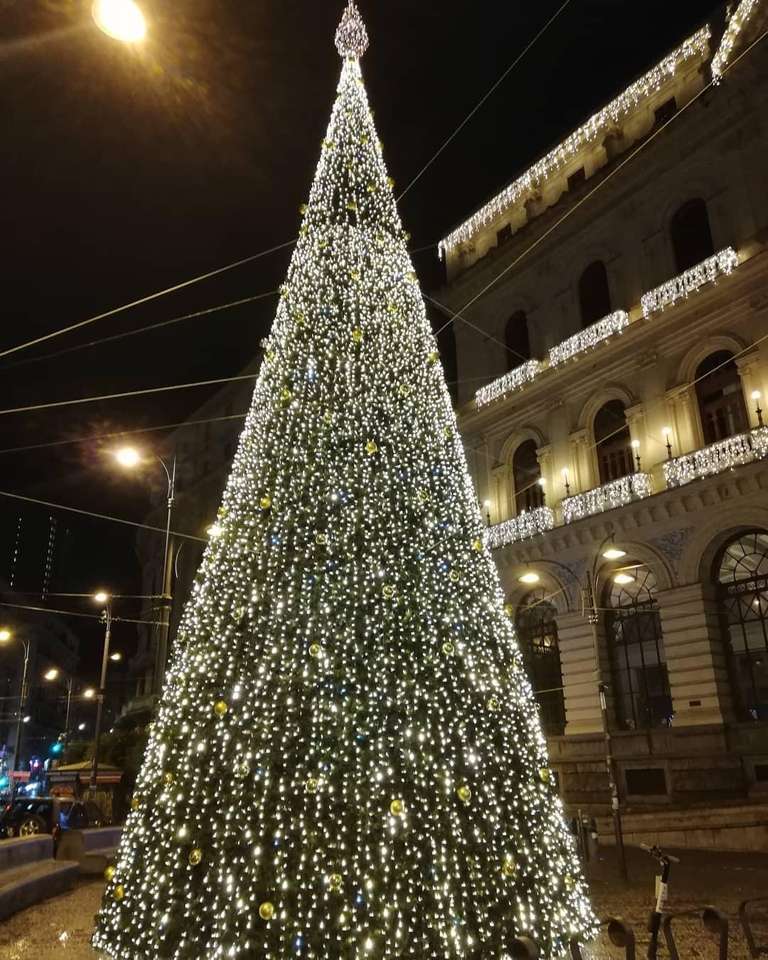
<point x="464" y="793"/>
<point x="267" y="910"/>
<point x="311" y="785"/>
<point x="315" y="650"/>
<point x="285" y="395"/>
<point x="545" y="775"/>
<point x="303" y="209"/>
<point x="454" y="576"/>
<point x="371" y="447"/>
<point x="110" y="872"/>
<point x="388" y="590"/>
<point x="509" y="609"/>
<point x="266" y="502"/>
<point x="570" y="883"/>
<point x="404" y="390"/>
<point x="477" y="544"/>
<point x="335" y="881"/>
<point x="220" y="708"/>
<point x="119" y="892"/>
<point x="357" y="335"/>
<point x="509" y="867"/>
<point x="168" y="778"/>
<point x="493" y="704"/>
<point x="397" y="808"/>
<point x="241" y="770"/>
<point x="195" y="857"/>
<point x="448" y="648"/>
<point x="135" y="803"/>
<point x="327" y="417"/>
<point x="321" y="539"/>
<point x="433" y="357"/>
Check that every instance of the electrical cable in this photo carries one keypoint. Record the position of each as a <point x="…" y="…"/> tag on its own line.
<point x="75" y="613"/>
<point x="131" y="333"/>
<point x="147" y="299"/>
<point x="98" y="516"/>
<point x="480" y="103"/>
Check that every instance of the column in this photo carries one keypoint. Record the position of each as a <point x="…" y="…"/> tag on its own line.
<point x="696" y="656"/>
<point x="749" y="371"/>
<point x="551" y="490"/>
<point x="581" y="461"/>
<point x="580" y="687"/>
<point x="635" y="417"/>
<point x="685" y="419"/>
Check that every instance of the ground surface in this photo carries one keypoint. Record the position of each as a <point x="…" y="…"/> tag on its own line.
<point x="60" y="929"/>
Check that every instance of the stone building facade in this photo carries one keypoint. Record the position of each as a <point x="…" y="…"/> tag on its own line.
<point x="611" y="379"/>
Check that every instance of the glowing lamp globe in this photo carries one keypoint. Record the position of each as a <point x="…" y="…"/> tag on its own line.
<point x="128" y="457"/>
<point x="120" y="19"/>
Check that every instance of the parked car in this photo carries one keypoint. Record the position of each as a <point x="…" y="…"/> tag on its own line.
<point x="29" y="816"/>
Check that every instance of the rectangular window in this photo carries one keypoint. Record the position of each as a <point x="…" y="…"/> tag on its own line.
<point x="666" y="111"/>
<point x="504" y="234"/>
<point x="576" y="179"/>
<point x="646" y="782"/>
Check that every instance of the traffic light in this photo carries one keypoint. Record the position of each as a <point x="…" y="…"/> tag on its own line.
<point x="57" y="749"/>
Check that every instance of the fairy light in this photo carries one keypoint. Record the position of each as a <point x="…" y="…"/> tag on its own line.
<point x="514" y="380"/>
<point x="345" y="650"/>
<point x="589" y="338"/>
<point x="682" y="286"/>
<point x="617" y="493"/>
<point x="611" y="115"/>
<point x="741" y="16"/>
<point x="530" y="523"/>
<point x="718" y="457"/>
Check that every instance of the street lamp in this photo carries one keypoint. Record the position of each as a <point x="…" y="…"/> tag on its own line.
<point x="102" y="683"/>
<point x="6" y="636"/>
<point x="666" y="432"/>
<point x="116" y="657"/>
<point x="756" y="395"/>
<point x="130" y="458"/>
<point x="51" y="674"/>
<point x="120" y="19"/>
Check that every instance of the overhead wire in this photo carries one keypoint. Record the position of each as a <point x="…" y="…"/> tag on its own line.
<point x="75" y="613"/>
<point x="483" y="99"/>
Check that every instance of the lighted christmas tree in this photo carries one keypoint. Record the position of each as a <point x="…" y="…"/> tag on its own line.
<point x="347" y="760"/>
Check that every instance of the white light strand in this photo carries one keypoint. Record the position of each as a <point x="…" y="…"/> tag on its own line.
<point x="616" y="111"/>
<point x="617" y="493"/>
<point x="513" y="380"/>
<point x="721" y="264"/>
<point x="530" y="523"/>
<point x="589" y="338"/>
<point x="718" y="457"/>
<point x="736" y="25"/>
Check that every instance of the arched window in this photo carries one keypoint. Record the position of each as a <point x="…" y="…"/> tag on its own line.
<point x="691" y="235"/>
<point x="720" y="397"/>
<point x="537" y="634"/>
<point x="636" y="646"/>
<point x="517" y="340"/>
<point x="613" y="443"/>
<point x="742" y="578"/>
<point x="594" y="295"/>
<point x="526" y="474"/>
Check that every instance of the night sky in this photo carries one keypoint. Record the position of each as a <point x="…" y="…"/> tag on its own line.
<point x="128" y="170"/>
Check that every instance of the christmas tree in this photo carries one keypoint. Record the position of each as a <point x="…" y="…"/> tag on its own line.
<point x="347" y="759"/>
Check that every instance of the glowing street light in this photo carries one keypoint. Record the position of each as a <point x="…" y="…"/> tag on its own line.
<point x="89" y="693"/>
<point x="128" y="457"/>
<point x="81" y="726"/>
<point x="614" y="553"/>
<point x="5" y="635"/>
<point x="120" y="19"/>
<point x="530" y="577"/>
<point x="51" y="674"/>
<point x="623" y="578"/>
<point x="116" y="657"/>
<point x="101" y="597"/>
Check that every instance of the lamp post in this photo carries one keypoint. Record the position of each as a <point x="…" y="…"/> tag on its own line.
<point x="5" y="637"/>
<point x="130" y="458"/>
<point x="107" y="601"/>
<point x="589" y="589"/>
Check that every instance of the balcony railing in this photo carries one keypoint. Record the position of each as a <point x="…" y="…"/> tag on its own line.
<point x="510" y="381"/>
<point x="528" y="524"/>
<point x="681" y="286"/>
<point x="590" y="337"/>
<point x="733" y="452"/>
<point x="617" y="493"/>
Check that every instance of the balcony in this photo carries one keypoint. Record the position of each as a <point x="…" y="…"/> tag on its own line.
<point x="528" y="524"/>
<point x="617" y="493"/>
<point x="589" y="338"/>
<point x="683" y="285"/>
<point x="513" y="380"/>
<point x="718" y="457"/>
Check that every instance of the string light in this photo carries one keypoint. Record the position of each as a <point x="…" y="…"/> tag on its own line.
<point x="528" y="524"/>
<point x="681" y="286"/>
<point x="617" y="493"/>
<point x="589" y="338"/>
<point x="725" y="455"/>
<point x="535" y="178"/>
<point x="346" y="733"/>
<point x="514" y="380"/>
<point x="736" y="25"/>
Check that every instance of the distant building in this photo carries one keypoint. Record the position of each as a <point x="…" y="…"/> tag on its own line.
<point x="625" y="366"/>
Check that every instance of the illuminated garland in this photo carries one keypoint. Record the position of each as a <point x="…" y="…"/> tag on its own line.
<point x="513" y="380"/>
<point x="736" y="24"/>
<point x="530" y="523"/>
<point x="617" y="493"/>
<point x="681" y="286"/>
<point x="718" y="457"/>
<point x="347" y="759"/>
<point x="616" y="111"/>
<point x="589" y="338"/>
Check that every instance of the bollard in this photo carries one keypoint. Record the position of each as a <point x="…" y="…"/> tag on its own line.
<point x="621" y="935"/>
<point x="755" y="949"/>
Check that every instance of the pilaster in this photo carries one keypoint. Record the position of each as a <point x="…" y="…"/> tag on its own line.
<point x="576" y="640"/>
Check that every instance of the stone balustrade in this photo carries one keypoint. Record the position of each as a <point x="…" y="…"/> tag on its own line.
<point x="717" y="457"/>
